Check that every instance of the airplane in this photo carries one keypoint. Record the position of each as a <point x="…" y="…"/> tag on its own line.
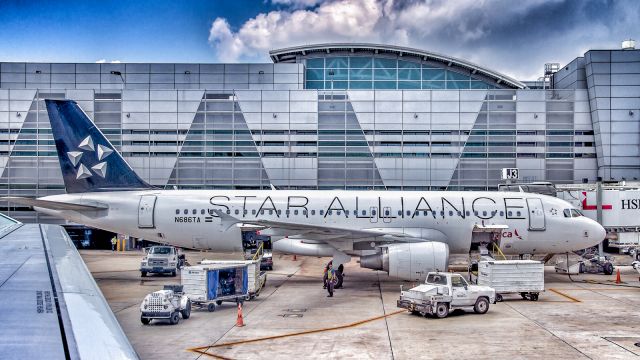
<point x="405" y="233"/>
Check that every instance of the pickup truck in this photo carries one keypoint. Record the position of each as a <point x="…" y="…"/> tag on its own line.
<point x="444" y="292"/>
<point x="162" y="260"/>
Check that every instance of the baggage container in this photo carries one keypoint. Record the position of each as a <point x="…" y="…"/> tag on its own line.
<point x="205" y="285"/>
<point x="525" y="277"/>
<point x="256" y="278"/>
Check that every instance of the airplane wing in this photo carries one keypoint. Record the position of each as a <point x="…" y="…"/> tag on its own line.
<point x="324" y="232"/>
<point x="56" y="205"/>
<point x="52" y="307"/>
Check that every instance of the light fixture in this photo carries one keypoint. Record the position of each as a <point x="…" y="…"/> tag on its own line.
<point x="630" y="113"/>
<point x="18" y="114"/>
<point x="128" y="115"/>
<point x="187" y="72"/>
<point x="38" y="72"/>
<point x="275" y="116"/>
<point x="535" y="116"/>
<point x="415" y="116"/>
<point x="260" y="72"/>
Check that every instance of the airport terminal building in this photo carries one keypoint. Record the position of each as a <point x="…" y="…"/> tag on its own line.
<point x="330" y="116"/>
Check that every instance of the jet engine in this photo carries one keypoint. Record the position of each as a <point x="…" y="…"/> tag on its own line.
<point x="410" y="261"/>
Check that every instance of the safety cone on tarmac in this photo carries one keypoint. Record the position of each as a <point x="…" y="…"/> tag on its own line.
<point x="294" y="257"/>
<point x="618" y="281"/>
<point x="239" y="321"/>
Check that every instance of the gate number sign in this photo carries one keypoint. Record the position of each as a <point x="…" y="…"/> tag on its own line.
<point x="510" y="173"/>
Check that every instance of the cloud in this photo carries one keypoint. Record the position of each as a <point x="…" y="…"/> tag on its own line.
<point x="514" y="37"/>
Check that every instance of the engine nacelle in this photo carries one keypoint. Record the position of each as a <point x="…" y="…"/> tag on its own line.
<point x="411" y="261"/>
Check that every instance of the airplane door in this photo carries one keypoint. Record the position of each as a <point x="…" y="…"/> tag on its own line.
<point x="146" y="208"/>
<point x="536" y="214"/>
<point x="373" y="213"/>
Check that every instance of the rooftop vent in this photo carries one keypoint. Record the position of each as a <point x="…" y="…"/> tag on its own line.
<point x="629" y="44"/>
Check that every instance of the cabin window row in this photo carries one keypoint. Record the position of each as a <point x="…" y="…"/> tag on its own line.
<point x="354" y="212"/>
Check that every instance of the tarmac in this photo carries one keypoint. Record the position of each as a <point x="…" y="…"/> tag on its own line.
<point x="294" y="319"/>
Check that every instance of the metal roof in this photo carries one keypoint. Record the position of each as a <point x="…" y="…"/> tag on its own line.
<point x="290" y="55"/>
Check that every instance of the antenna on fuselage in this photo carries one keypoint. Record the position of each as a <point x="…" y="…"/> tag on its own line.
<point x="273" y="187"/>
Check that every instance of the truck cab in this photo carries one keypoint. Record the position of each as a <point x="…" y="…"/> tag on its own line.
<point x="443" y="292"/>
<point x="160" y="260"/>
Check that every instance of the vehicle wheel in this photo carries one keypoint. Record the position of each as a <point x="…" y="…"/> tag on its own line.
<point x="173" y="273"/>
<point x="211" y="307"/>
<point x="442" y="310"/>
<point x="144" y="320"/>
<point x="481" y="306"/>
<point x="498" y="298"/>
<point x="219" y="302"/>
<point x="523" y="295"/>
<point x="582" y="268"/>
<point x="143" y="273"/>
<point x="608" y="268"/>
<point x="186" y="312"/>
<point x="175" y="318"/>
<point x="533" y="296"/>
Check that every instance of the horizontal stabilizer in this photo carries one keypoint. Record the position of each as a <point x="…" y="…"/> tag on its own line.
<point x="55" y="205"/>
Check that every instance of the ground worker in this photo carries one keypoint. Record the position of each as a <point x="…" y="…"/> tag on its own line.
<point x="324" y="275"/>
<point x="114" y="241"/>
<point x="331" y="279"/>
<point x="339" y="276"/>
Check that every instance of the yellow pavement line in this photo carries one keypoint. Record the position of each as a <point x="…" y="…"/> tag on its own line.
<point x="203" y="349"/>
<point x="600" y="289"/>
<point x="565" y="295"/>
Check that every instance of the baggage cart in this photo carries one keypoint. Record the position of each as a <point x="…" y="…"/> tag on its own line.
<point x="211" y="285"/>
<point x="525" y="277"/>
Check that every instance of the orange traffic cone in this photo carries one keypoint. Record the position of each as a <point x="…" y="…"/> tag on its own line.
<point x="618" y="281"/>
<point x="294" y="257"/>
<point x="239" y="321"/>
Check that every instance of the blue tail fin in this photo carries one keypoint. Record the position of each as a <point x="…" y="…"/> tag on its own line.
<point x="88" y="160"/>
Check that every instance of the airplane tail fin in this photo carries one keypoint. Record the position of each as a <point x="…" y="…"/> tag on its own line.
<point x="88" y="160"/>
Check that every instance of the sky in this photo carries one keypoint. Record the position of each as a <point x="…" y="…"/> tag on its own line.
<point x="515" y="37"/>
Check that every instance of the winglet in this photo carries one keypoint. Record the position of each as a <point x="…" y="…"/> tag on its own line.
<point x="227" y="220"/>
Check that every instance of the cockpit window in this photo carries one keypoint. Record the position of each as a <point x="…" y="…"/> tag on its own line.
<point x="569" y="213"/>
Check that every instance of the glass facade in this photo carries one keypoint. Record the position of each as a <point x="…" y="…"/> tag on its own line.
<point x="368" y="72"/>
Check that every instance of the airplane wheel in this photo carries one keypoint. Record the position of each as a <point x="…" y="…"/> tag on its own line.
<point x="442" y="310"/>
<point x="481" y="306"/>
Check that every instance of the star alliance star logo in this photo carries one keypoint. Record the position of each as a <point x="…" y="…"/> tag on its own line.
<point x="554" y="212"/>
<point x="87" y="145"/>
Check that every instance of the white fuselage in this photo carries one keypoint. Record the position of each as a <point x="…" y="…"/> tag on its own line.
<point x="532" y="223"/>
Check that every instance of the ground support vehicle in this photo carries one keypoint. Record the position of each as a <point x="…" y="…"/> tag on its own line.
<point x="256" y="279"/>
<point x="166" y="304"/>
<point x="444" y="292"/>
<point x="211" y="285"/>
<point x="524" y="277"/>
<point x="161" y="260"/>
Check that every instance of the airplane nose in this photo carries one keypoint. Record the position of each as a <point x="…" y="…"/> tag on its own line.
<point x="596" y="233"/>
